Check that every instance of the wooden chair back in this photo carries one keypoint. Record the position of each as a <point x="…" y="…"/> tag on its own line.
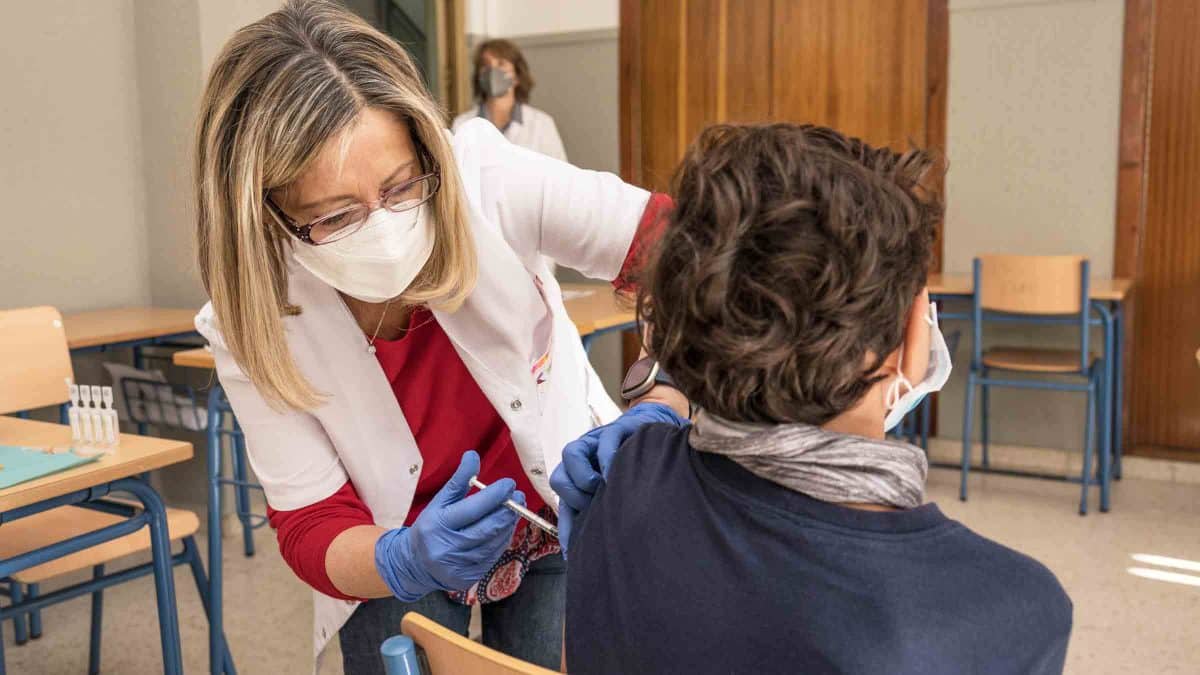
<point x="1031" y="284"/>
<point x="449" y="653"/>
<point x="34" y="359"/>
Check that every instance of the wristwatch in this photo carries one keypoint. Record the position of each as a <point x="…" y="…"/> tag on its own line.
<point x="643" y="375"/>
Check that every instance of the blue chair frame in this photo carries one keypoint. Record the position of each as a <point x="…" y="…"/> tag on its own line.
<point x="1094" y="385"/>
<point x="152" y="515"/>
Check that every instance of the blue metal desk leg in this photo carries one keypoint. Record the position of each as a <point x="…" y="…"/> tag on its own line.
<point x="1118" y="390"/>
<point x="35" y="617"/>
<point x="1088" y="440"/>
<point x="193" y="557"/>
<point x="139" y="362"/>
<point x="1105" y="440"/>
<point x="216" y="627"/>
<point x="1104" y="420"/>
<point x="164" y="579"/>
<point x="985" y="433"/>
<point x="241" y="493"/>
<point x="17" y="594"/>
<point x="97" y="625"/>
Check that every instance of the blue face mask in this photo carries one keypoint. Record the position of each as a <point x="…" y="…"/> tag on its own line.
<point x="900" y="403"/>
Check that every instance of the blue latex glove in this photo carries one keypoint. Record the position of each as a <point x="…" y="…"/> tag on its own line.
<point x="586" y="461"/>
<point x="454" y="541"/>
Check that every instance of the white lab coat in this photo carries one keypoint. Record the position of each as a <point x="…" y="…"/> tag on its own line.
<point x="530" y="128"/>
<point x="520" y="205"/>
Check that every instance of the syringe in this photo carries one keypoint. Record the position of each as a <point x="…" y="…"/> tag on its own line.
<point x="521" y="510"/>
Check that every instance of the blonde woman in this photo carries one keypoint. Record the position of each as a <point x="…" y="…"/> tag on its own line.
<point x="380" y="306"/>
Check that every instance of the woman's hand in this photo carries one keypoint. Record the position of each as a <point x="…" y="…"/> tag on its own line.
<point x="454" y="541"/>
<point x="586" y="461"/>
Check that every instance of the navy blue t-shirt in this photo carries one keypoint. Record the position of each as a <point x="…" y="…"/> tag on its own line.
<point x="687" y="563"/>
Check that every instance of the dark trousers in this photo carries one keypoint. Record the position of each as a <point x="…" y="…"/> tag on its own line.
<point x="527" y="625"/>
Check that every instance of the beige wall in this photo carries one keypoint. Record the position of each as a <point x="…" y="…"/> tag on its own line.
<point x="220" y="18"/>
<point x="97" y="120"/>
<point x="506" y="18"/>
<point x="70" y="141"/>
<point x="96" y="126"/>
<point x="1033" y="115"/>
<point x="178" y="40"/>
<point x="1032" y="142"/>
<point x="169" y="83"/>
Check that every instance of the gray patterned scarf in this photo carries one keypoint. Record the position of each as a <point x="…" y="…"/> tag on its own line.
<point x="824" y="465"/>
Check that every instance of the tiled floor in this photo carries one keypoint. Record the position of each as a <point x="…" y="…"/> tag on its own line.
<point x="1123" y="623"/>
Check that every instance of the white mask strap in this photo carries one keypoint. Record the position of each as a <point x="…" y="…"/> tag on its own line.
<point x="893" y="392"/>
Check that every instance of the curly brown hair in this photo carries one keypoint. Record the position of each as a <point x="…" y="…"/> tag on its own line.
<point x="785" y="273"/>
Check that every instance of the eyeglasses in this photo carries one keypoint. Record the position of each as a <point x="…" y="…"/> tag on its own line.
<point x="346" y="221"/>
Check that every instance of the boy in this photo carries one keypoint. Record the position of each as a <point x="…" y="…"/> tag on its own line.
<point x="781" y="532"/>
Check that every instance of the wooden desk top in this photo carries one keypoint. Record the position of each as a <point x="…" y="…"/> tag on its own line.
<point x="134" y="455"/>
<point x="1113" y="290"/>
<point x="598" y="309"/>
<point x="200" y="357"/>
<point x="108" y="326"/>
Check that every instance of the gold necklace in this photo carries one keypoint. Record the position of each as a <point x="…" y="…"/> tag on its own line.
<point x="371" y="340"/>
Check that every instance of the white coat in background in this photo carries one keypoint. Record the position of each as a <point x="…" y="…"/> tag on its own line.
<point x="521" y="205"/>
<point x="530" y="128"/>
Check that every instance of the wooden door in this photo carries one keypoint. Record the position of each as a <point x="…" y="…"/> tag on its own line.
<point x="875" y="69"/>
<point x="870" y="68"/>
<point x="1164" y="380"/>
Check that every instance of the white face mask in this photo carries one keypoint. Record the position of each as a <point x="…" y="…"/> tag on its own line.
<point x="378" y="262"/>
<point x="899" y="404"/>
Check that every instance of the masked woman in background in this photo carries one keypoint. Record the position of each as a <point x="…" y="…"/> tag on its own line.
<point x="501" y="85"/>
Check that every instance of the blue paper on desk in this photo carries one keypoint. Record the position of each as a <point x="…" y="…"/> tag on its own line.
<point x="19" y="464"/>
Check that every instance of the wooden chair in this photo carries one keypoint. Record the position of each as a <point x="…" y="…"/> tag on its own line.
<point x="448" y="653"/>
<point x="34" y="360"/>
<point x="35" y="363"/>
<point x="1037" y="289"/>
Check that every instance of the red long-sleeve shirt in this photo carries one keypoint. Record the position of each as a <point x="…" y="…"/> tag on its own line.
<point x="427" y="377"/>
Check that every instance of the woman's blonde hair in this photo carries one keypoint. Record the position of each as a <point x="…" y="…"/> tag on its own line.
<point x="279" y="91"/>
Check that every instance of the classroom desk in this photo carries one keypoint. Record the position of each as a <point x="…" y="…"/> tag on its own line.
<point x="1108" y="298"/>
<point x="134" y="327"/>
<point x="200" y="357"/>
<point x="84" y="485"/>
<point x="595" y="309"/>
<point x="126" y="327"/>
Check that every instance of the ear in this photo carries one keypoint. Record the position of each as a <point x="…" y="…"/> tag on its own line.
<point x="915" y="350"/>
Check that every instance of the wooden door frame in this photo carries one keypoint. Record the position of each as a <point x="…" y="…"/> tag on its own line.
<point x="629" y="129"/>
<point x="629" y="106"/>
<point x="1133" y="146"/>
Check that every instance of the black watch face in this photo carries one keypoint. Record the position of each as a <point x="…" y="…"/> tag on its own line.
<point x="638" y="373"/>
